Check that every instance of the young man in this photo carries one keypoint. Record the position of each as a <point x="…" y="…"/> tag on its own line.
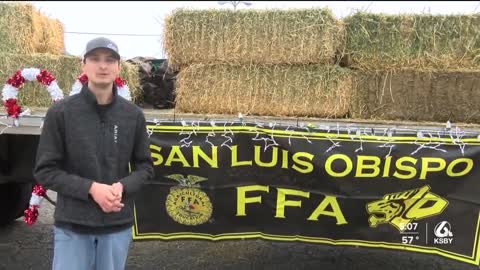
<point x="87" y="143"/>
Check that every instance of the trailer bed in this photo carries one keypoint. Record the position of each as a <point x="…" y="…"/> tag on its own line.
<point x="31" y="124"/>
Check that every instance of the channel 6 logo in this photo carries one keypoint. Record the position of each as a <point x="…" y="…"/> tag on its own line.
<point x="443" y="233"/>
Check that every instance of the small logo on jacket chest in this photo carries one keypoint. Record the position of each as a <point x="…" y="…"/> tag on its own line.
<point x="115" y="133"/>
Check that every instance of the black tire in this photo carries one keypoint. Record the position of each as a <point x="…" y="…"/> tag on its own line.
<point x="14" y="199"/>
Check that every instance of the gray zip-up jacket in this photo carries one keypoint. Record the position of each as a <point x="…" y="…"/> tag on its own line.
<point x="82" y="142"/>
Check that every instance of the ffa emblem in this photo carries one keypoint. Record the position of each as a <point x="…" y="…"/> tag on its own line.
<point x="186" y="203"/>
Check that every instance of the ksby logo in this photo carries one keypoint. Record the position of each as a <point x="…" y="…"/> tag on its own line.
<point x="443" y="233"/>
<point x="443" y="229"/>
<point x="403" y="207"/>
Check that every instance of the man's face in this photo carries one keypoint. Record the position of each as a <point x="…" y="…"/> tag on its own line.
<point x="101" y="67"/>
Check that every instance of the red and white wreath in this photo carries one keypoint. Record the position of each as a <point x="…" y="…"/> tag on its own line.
<point x="30" y="214"/>
<point x="122" y="87"/>
<point x="16" y="82"/>
<point x="14" y="110"/>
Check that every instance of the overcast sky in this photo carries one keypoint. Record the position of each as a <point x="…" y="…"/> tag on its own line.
<point x="146" y="18"/>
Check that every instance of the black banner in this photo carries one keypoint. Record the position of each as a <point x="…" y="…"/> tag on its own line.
<point x="343" y="187"/>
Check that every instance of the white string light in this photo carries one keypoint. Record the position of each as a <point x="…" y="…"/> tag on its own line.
<point x="184" y="124"/>
<point x="334" y="144"/>
<point x="225" y="135"/>
<point x="185" y="141"/>
<point x="258" y="134"/>
<point x="448" y="126"/>
<point x="211" y="133"/>
<point x="359" y="135"/>
<point x="5" y="128"/>
<point x="266" y="140"/>
<point x="149" y="132"/>
<point x="308" y="130"/>
<point x="256" y="138"/>
<point x="291" y="133"/>
<point x="427" y="145"/>
<point x="268" y="137"/>
<point x="272" y="138"/>
<point x="458" y="139"/>
<point x="389" y="133"/>
<point x="240" y="117"/>
<point x="195" y="127"/>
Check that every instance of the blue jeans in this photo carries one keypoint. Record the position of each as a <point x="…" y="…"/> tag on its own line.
<point x="75" y="251"/>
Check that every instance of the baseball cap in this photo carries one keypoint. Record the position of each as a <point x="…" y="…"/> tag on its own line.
<point x="101" y="42"/>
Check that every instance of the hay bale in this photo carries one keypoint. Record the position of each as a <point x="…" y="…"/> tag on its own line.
<point x="129" y="73"/>
<point x="297" y="36"/>
<point x="417" y="95"/>
<point x="278" y="90"/>
<point x="17" y="28"/>
<point x="64" y="68"/>
<point x="52" y="39"/>
<point x="378" y="41"/>
<point x="24" y="30"/>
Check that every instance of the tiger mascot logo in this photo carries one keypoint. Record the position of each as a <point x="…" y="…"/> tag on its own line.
<point x="401" y="208"/>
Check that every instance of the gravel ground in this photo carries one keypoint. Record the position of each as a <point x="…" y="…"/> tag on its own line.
<point x="23" y="247"/>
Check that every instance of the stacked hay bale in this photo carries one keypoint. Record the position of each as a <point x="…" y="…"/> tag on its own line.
<point x="30" y="39"/>
<point x="272" y="62"/>
<point x="415" y="67"/>
<point x="258" y="62"/>
<point x="23" y="29"/>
